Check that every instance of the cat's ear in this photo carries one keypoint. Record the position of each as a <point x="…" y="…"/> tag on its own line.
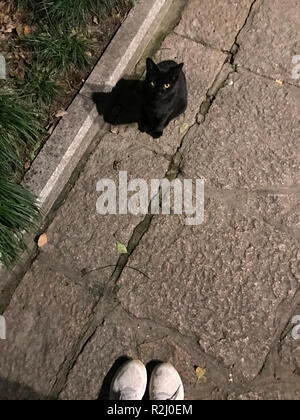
<point x="151" y="66"/>
<point x="175" y="71"/>
<point x="180" y="66"/>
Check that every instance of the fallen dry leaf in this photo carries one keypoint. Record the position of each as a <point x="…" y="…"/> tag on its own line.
<point x="61" y="113"/>
<point x="200" y="373"/>
<point x="43" y="240"/>
<point x="279" y="82"/>
<point x="22" y="55"/>
<point x="27" y="165"/>
<point x="50" y="128"/>
<point x="20" y="30"/>
<point x="9" y="28"/>
<point x="184" y="128"/>
<point x="19" y="71"/>
<point x="27" y="30"/>
<point x="96" y="20"/>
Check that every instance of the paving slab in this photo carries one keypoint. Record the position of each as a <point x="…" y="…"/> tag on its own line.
<point x="282" y="393"/>
<point x="288" y="350"/>
<point x="78" y="232"/>
<point x="167" y="349"/>
<point x="250" y="138"/>
<point x="214" y="22"/>
<point x="236" y="271"/>
<point x="47" y="314"/>
<point x="109" y="343"/>
<point x="271" y="40"/>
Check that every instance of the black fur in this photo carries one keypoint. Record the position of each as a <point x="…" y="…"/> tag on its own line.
<point x="164" y="96"/>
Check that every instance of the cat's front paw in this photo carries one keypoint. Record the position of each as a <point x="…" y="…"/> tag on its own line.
<point x="156" y="134"/>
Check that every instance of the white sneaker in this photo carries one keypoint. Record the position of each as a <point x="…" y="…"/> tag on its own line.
<point x="129" y="382"/>
<point x="165" y="383"/>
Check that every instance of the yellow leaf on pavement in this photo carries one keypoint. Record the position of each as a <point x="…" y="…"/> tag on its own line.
<point x="43" y="240"/>
<point x="200" y="373"/>
<point x="61" y="114"/>
<point x="184" y="128"/>
<point x="121" y="248"/>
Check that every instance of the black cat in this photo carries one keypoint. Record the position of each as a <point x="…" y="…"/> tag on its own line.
<point x="164" y="96"/>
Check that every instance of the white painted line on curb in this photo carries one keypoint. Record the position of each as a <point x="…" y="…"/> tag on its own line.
<point x="2" y="328"/>
<point x="68" y="156"/>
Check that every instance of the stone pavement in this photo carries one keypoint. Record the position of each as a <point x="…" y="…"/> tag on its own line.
<point x="220" y="296"/>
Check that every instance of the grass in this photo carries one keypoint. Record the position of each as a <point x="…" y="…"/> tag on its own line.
<point x="19" y="213"/>
<point x="69" y="14"/>
<point x="59" y="53"/>
<point x="20" y="129"/>
<point x="39" y="86"/>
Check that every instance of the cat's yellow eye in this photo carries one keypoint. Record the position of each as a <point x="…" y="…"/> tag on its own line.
<point x="167" y="86"/>
<point x="153" y="84"/>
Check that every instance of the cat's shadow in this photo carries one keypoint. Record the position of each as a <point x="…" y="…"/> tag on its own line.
<point x="123" y="105"/>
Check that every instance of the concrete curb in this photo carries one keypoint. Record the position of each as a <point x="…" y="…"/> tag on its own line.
<point x="57" y="161"/>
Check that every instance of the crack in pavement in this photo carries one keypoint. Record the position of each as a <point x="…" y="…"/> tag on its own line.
<point x="204" y="44"/>
<point x="265" y="76"/>
<point x="253" y="10"/>
<point x="269" y="367"/>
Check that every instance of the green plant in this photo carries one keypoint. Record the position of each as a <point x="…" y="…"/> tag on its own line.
<point x="59" y="53"/>
<point x="19" y="213"/>
<point x="20" y="129"/>
<point x="69" y="13"/>
<point x="39" y="86"/>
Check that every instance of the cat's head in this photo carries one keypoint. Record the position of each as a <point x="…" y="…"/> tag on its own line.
<point x="161" y="82"/>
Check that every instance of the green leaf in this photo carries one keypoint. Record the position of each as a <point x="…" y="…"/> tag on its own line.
<point x="121" y="248"/>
